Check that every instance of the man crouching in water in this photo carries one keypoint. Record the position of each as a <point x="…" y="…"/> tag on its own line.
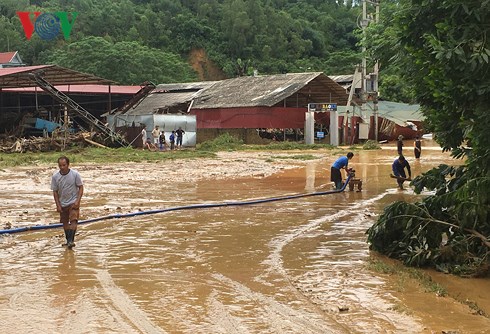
<point x="398" y="168"/>
<point x="335" y="175"/>
<point x="67" y="189"/>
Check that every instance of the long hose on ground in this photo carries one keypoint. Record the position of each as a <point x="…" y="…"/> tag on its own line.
<point x="177" y="208"/>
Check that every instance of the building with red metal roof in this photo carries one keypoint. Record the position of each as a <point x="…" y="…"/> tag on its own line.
<point x="20" y="94"/>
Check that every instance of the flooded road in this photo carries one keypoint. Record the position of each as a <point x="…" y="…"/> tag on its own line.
<point x="293" y="266"/>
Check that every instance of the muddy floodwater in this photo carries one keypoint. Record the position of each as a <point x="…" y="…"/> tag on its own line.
<point x="293" y="266"/>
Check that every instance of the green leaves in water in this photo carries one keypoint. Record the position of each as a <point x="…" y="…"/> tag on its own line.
<point x="449" y="230"/>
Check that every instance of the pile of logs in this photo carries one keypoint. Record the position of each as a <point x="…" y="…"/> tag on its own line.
<point x="56" y="142"/>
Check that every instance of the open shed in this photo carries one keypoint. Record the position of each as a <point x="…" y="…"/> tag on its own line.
<point x="32" y="91"/>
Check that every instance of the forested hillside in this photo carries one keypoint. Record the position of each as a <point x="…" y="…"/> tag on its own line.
<point x="164" y="41"/>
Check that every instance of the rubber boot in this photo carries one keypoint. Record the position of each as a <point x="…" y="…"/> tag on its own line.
<point x="71" y="240"/>
<point x="67" y="236"/>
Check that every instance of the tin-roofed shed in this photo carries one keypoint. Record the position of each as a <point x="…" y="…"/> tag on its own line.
<point x="243" y="103"/>
<point x="267" y="101"/>
<point x="281" y="90"/>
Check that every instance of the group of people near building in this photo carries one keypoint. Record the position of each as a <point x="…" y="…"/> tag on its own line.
<point x="158" y="141"/>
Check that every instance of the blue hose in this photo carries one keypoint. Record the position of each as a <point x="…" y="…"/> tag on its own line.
<point x="187" y="207"/>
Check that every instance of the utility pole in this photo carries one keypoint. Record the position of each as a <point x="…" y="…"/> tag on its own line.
<point x="376" y="73"/>
<point x="364" y="24"/>
<point x="369" y="91"/>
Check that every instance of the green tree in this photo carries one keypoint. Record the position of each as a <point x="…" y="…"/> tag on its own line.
<point x="236" y="26"/>
<point x="443" y="48"/>
<point x="189" y="33"/>
<point x="123" y="62"/>
<point x="11" y="38"/>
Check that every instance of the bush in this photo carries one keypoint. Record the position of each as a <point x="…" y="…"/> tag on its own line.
<point x="224" y="142"/>
<point x="371" y="145"/>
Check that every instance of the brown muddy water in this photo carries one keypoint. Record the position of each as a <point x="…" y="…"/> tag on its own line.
<point x="293" y="266"/>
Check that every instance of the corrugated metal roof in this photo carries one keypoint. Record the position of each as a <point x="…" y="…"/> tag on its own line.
<point x="347" y="78"/>
<point x="14" y="77"/>
<point x="82" y="89"/>
<point x="265" y="91"/>
<point x="184" y="86"/>
<point x="269" y="90"/>
<point x="161" y="102"/>
<point x="399" y="113"/>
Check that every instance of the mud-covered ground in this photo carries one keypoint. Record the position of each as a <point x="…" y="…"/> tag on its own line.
<point x="292" y="266"/>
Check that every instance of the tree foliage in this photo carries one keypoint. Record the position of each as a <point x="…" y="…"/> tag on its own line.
<point x="98" y="56"/>
<point x="443" y="48"/>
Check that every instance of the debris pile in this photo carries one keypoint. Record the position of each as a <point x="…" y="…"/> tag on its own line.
<point x="56" y="142"/>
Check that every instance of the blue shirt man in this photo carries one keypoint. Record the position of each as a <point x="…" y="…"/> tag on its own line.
<point x="335" y="175"/>
<point x="398" y="168"/>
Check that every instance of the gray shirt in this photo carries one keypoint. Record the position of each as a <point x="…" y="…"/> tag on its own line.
<point x="66" y="186"/>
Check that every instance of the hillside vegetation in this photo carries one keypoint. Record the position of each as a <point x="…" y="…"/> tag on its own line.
<point x="131" y="41"/>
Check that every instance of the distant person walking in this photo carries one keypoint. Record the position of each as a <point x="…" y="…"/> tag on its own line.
<point x="335" y="175"/>
<point x="172" y="140"/>
<point x="399" y="145"/>
<point x="417" y="147"/>
<point x="143" y="137"/>
<point x="67" y="187"/>
<point x="180" y="134"/>
<point x="398" y="167"/>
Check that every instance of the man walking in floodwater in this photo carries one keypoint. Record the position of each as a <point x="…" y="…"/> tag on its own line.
<point x="398" y="168"/>
<point x="417" y="147"/>
<point x="399" y="145"/>
<point x="67" y="189"/>
<point x="335" y="175"/>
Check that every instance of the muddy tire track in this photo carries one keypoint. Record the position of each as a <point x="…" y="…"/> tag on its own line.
<point x="123" y="303"/>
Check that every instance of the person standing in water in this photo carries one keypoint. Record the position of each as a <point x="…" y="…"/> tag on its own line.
<point x="417" y="147"/>
<point x="67" y="187"/>
<point x="399" y="145"/>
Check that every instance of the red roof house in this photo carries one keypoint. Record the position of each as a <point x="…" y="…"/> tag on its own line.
<point x="10" y="59"/>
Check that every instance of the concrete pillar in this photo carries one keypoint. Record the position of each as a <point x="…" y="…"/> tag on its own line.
<point x="334" y="128"/>
<point x="309" y="128"/>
